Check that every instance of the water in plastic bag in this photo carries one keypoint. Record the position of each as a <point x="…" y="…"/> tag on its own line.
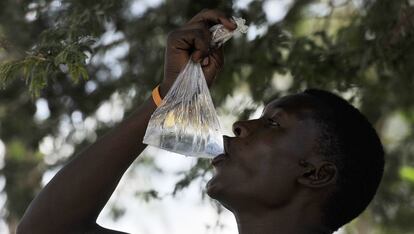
<point x="186" y="121"/>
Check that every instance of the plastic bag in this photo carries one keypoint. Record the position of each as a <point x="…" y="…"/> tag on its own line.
<point x="186" y="121"/>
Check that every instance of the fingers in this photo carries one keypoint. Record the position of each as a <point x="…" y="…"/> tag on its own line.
<point x="195" y="36"/>
<point x="216" y="62"/>
<point x="212" y="17"/>
<point x="205" y="61"/>
<point x="194" y="39"/>
<point x="201" y="47"/>
<point x="215" y="59"/>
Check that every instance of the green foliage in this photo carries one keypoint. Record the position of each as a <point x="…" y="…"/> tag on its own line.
<point x="22" y="170"/>
<point x="16" y="150"/>
<point x="46" y="60"/>
<point x="64" y="44"/>
<point x="407" y="173"/>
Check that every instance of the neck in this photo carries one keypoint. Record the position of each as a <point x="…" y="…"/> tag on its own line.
<point x="281" y="221"/>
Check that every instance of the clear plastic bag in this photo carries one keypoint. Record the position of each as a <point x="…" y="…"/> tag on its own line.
<point x="186" y="121"/>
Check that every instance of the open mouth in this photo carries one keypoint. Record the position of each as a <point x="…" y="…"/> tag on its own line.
<point x="218" y="159"/>
<point x="222" y="157"/>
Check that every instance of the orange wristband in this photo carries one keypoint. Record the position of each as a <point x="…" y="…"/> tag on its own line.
<point x="156" y="96"/>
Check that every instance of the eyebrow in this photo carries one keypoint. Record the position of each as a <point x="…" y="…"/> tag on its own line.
<point x="281" y="104"/>
<point x="301" y="112"/>
<point x="272" y="108"/>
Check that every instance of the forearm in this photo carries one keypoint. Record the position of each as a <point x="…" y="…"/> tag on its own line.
<point x="77" y="194"/>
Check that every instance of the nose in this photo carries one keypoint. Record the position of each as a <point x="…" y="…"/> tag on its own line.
<point x="240" y="129"/>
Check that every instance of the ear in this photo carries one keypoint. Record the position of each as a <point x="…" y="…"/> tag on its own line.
<point x="317" y="175"/>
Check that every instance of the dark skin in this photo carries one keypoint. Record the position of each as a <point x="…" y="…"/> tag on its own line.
<point x="270" y="184"/>
<point x="271" y="178"/>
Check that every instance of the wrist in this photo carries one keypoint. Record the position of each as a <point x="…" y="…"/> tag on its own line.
<point x="163" y="89"/>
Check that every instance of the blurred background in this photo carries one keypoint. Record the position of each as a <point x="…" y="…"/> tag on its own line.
<point x="72" y="70"/>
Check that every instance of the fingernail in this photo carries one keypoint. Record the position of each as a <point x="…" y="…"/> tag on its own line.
<point x="205" y="61"/>
<point x="196" y="56"/>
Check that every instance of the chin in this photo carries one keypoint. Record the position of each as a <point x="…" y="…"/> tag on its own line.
<point x="216" y="192"/>
<point x="215" y="188"/>
<point x="212" y="188"/>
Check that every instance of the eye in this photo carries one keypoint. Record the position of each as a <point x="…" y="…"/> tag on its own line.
<point x="273" y="122"/>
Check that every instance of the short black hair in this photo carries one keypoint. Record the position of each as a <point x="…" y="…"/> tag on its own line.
<point x="350" y="141"/>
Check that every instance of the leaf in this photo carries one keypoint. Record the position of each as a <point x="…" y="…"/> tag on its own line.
<point x="16" y="150"/>
<point x="407" y="173"/>
<point x="8" y="71"/>
<point x="83" y="72"/>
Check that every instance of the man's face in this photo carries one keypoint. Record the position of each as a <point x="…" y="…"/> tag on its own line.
<point x="261" y="165"/>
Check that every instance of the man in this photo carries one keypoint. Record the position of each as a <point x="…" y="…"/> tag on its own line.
<point x="309" y="164"/>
